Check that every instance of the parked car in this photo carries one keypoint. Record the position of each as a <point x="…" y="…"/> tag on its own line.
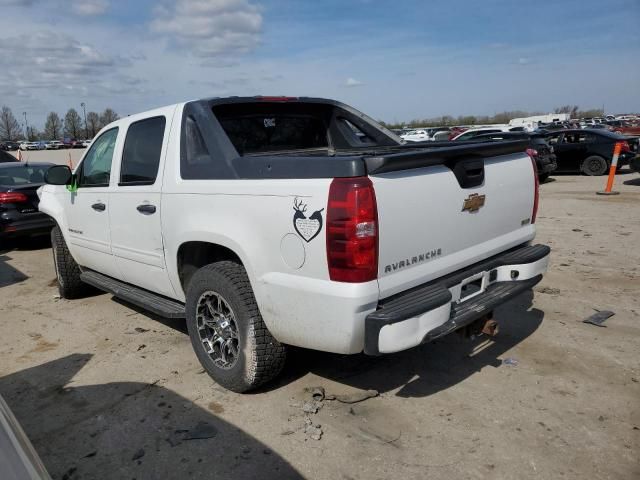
<point x="455" y="131"/>
<point x="589" y="151"/>
<point x="627" y="129"/>
<point x="266" y="232"/>
<point x="441" y="136"/>
<point x="54" y="145"/>
<point x="86" y="143"/>
<point x="18" y="459"/>
<point x="28" y="146"/>
<point x="71" y="143"/>
<point x="19" y="213"/>
<point x="9" y="146"/>
<point x="538" y="149"/>
<point x="419" y="135"/>
<point x="474" y="132"/>
<point x="7" y="157"/>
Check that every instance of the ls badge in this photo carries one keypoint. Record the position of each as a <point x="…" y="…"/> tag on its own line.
<point x="473" y="203"/>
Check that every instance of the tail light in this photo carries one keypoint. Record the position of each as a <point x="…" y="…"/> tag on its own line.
<point x="624" y="147"/>
<point x="536" y="186"/>
<point x="12" y="197"/>
<point x="352" y="230"/>
<point x="532" y="152"/>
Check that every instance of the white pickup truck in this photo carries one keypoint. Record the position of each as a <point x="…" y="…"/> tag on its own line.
<point x="275" y="221"/>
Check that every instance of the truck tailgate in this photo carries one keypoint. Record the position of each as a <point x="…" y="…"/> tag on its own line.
<point x="429" y="225"/>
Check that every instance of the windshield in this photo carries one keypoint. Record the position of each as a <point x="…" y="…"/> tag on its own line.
<point x="22" y="175"/>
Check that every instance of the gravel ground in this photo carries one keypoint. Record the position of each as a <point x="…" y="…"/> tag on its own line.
<point x="107" y="391"/>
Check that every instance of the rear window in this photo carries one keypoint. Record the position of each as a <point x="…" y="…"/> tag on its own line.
<point x="274" y="132"/>
<point x="141" y="155"/>
<point x="22" y="175"/>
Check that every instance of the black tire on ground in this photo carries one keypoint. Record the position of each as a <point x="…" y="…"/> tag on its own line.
<point x="543" y="177"/>
<point x="67" y="270"/>
<point x="259" y="357"/>
<point x="594" y="165"/>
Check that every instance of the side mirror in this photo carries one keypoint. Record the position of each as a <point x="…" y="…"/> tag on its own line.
<point x="58" y="175"/>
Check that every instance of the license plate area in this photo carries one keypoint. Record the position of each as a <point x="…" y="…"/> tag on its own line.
<point x="473" y="286"/>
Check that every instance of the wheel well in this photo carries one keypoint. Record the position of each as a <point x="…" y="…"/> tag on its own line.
<point x="195" y="255"/>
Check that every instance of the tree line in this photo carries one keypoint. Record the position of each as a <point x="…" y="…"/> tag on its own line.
<point x="503" y="117"/>
<point x="72" y="125"/>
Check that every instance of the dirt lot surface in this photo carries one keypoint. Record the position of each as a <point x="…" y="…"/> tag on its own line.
<point x="107" y="391"/>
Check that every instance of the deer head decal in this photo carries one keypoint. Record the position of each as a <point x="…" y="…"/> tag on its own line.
<point x="307" y="228"/>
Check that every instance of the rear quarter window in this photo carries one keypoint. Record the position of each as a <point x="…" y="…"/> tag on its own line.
<point x="141" y="153"/>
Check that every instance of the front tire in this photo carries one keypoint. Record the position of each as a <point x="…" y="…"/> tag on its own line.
<point x="594" y="166"/>
<point x="227" y="331"/>
<point x="67" y="270"/>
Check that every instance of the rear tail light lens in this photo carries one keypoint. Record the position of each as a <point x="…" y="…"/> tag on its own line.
<point x="536" y="187"/>
<point x="624" y="147"/>
<point x="12" y="197"/>
<point x="352" y="230"/>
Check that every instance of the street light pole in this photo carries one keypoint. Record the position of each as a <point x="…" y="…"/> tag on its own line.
<point x="86" y="130"/>
<point x="26" y="126"/>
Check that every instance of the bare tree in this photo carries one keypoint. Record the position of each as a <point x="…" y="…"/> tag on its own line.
<point x="93" y="124"/>
<point x="9" y="126"/>
<point x="53" y="126"/>
<point x="108" y="116"/>
<point x="72" y="124"/>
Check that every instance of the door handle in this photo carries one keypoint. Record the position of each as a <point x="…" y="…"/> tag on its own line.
<point x="146" y="209"/>
<point x="99" y="207"/>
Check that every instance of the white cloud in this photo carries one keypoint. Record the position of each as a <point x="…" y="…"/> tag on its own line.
<point x="90" y="7"/>
<point x="524" y="61"/>
<point x="352" y="82"/>
<point x="210" y="28"/>
<point x="38" y="63"/>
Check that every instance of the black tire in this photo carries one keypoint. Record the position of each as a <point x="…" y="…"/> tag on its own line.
<point x="67" y="270"/>
<point x="543" y="177"/>
<point x="594" y="165"/>
<point x="259" y="357"/>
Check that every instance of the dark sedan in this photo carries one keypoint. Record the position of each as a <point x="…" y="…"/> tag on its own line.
<point x="19" y="213"/>
<point x="539" y="149"/>
<point x="588" y="151"/>
<point x="8" y="146"/>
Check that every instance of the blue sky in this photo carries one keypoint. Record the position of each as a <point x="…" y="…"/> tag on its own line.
<point x="394" y="60"/>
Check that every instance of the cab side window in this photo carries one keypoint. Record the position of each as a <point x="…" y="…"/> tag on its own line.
<point x="553" y="139"/>
<point x="141" y="154"/>
<point x="96" y="166"/>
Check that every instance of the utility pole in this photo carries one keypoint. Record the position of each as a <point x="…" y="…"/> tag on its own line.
<point x="26" y="126"/>
<point x="86" y="130"/>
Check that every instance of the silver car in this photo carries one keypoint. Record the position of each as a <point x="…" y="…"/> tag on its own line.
<point x="18" y="458"/>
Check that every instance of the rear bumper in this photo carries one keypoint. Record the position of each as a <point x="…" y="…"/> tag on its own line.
<point x="32" y="224"/>
<point x="547" y="164"/>
<point x="433" y="310"/>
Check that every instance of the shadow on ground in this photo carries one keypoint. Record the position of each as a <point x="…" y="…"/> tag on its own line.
<point x="8" y="274"/>
<point x="418" y="372"/>
<point x="634" y="181"/>
<point x="424" y="370"/>
<point x="129" y="430"/>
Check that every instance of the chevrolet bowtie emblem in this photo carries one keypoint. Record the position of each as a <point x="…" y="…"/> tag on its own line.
<point x="473" y="202"/>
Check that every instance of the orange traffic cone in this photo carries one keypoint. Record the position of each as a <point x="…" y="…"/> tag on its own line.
<point x="19" y="155"/>
<point x="70" y="162"/>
